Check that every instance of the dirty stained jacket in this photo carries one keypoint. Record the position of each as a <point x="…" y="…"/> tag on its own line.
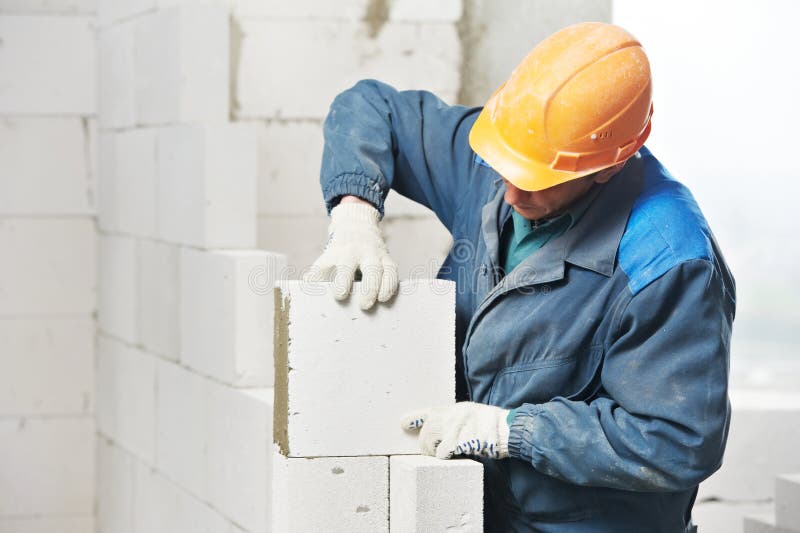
<point x="612" y="340"/>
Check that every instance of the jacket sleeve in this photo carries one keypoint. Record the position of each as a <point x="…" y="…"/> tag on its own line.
<point x="378" y="138"/>
<point x="661" y="421"/>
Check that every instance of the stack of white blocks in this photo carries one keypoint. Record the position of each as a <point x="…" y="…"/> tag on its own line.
<point x="786" y="518"/>
<point x="47" y="269"/>
<point x="343" y="380"/>
<point x="762" y="443"/>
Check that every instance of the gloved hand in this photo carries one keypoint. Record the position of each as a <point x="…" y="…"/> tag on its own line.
<point x="355" y="243"/>
<point x="465" y="428"/>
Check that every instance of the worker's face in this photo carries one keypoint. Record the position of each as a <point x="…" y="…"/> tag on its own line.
<point x="554" y="200"/>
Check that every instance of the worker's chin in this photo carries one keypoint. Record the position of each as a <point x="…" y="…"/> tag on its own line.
<point x="531" y="213"/>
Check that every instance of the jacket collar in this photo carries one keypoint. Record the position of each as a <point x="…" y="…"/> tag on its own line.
<point x="591" y="243"/>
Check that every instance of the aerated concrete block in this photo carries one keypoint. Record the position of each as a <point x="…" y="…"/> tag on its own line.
<point x="331" y="494"/>
<point x="65" y="7"/>
<point x="158" y="284"/>
<point x="271" y="83"/>
<point x="116" y="81"/>
<point x="126" y="386"/>
<point x="110" y="11"/>
<point x="135" y="182"/>
<point x="344" y="377"/>
<point x="429" y="494"/>
<point x="424" y="10"/>
<point x="787" y="501"/>
<point x="226" y="313"/>
<point x="727" y="517"/>
<point x="48" y="65"/>
<point x="181" y="62"/>
<point x="47" y="524"/>
<point x="31" y="184"/>
<point x="763" y="524"/>
<point x="764" y="432"/>
<point x="47" y="466"/>
<point x="53" y="268"/>
<point x="118" y="295"/>
<point x="47" y="366"/>
<point x="206" y="192"/>
<point x="116" y="475"/>
<point x="239" y="454"/>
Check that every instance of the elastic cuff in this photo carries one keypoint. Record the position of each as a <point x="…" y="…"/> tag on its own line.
<point x="520" y="438"/>
<point x="356" y="185"/>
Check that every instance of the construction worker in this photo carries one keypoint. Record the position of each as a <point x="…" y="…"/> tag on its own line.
<point x="593" y="309"/>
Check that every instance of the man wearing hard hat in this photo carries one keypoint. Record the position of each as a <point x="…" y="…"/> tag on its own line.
<point x="593" y="309"/>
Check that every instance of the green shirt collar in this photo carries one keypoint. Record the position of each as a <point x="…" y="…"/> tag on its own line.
<point x="524" y="226"/>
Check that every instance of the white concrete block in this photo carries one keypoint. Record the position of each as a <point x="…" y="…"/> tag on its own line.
<point x="47" y="524"/>
<point x="332" y="494"/>
<point x="162" y="507"/>
<point x="787" y="501"/>
<point x="206" y="194"/>
<point x="109" y="11"/>
<point x="47" y="466"/>
<point x="53" y="266"/>
<point x="301" y="9"/>
<point x="425" y="10"/>
<point x="126" y="397"/>
<point x="158" y="285"/>
<point x="116" y="479"/>
<point x="33" y="184"/>
<point x="181" y="426"/>
<point x="182" y="65"/>
<point x="429" y="494"/>
<point x="239" y="454"/>
<point x="135" y="182"/>
<point x="300" y="238"/>
<point x="107" y="198"/>
<point x="289" y="156"/>
<point x="47" y="366"/>
<point x="271" y="83"/>
<point x="765" y="430"/>
<point x="118" y="294"/>
<point x="763" y="524"/>
<point x="344" y="378"/>
<point x="116" y="78"/>
<point x="418" y="244"/>
<point x="47" y="65"/>
<point x="226" y="313"/>
<point x="726" y="517"/>
<point x="66" y="7"/>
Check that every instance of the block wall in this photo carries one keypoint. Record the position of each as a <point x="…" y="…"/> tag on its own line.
<point x="47" y="265"/>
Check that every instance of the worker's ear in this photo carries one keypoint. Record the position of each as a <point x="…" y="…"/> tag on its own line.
<point x="606" y="174"/>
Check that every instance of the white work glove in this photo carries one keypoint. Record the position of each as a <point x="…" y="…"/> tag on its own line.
<point x="465" y="428"/>
<point x="355" y="243"/>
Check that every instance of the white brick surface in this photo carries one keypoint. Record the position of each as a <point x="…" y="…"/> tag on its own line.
<point x="239" y="454"/>
<point x="181" y="426"/>
<point x="47" y="366"/>
<point x="300" y="238"/>
<point x="344" y="378"/>
<point x="726" y="517"/>
<point x="787" y="501"/>
<point x="109" y="11"/>
<point x="271" y="83"/>
<point x="425" y="10"/>
<point x="47" y="65"/>
<point x="226" y="313"/>
<point x="158" y="286"/>
<point x="162" y="507"/>
<point x="134" y="176"/>
<point x="181" y="64"/>
<point x="116" y="81"/>
<point x="126" y="397"/>
<point x="46" y="466"/>
<point x="48" y="524"/>
<point x="763" y="524"/>
<point x="116" y="471"/>
<point x="765" y="430"/>
<point x="301" y="9"/>
<point x="332" y="494"/>
<point x="31" y="183"/>
<point x="48" y="6"/>
<point x="118" y="294"/>
<point x="429" y="494"/>
<point x="206" y="194"/>
<point x="53" y="266"/>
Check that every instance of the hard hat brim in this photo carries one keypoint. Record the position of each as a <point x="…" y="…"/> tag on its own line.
<point x="522" y="172"/>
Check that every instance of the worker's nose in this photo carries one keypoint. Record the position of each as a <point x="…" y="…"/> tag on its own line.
<point x="513" y="194"/>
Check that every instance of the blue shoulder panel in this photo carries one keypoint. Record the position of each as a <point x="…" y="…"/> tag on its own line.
<point x="665" y="228"/>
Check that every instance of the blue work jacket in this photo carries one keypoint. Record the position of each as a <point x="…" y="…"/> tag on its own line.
<point x="612" y="340"/>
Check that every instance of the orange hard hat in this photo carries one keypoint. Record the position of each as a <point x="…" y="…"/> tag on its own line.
<point x="581" y="101"/>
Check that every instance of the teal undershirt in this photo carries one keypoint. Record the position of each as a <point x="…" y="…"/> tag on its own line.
<point x="521" y="237"/>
